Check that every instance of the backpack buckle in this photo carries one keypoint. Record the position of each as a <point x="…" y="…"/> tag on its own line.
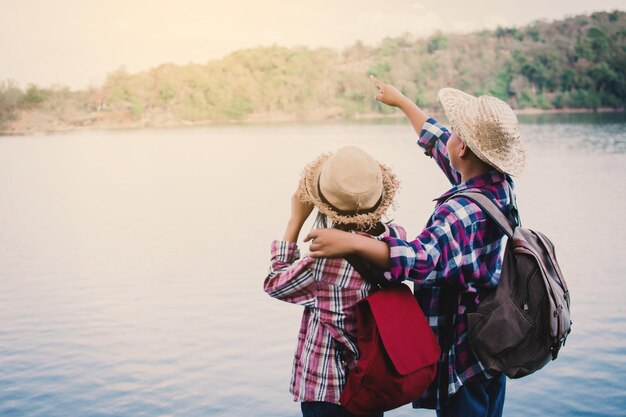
<point x="559" y="344"/>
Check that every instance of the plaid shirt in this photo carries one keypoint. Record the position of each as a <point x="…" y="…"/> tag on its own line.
<point x="329" y="290"/>
<point x="457" y="255"/>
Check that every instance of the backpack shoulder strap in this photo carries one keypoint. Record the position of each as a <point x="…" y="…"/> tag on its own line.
<point x="491" y="209"/>
<point x="367" y="273"/>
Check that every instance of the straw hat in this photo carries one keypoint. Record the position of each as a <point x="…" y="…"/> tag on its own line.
<point x="488" y="126"/>
<point x="349" y="187"/>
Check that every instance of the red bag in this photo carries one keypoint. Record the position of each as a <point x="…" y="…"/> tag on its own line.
<point x="398" y="353"/>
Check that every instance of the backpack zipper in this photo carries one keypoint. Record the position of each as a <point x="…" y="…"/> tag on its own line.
<point x="526" y="301"/>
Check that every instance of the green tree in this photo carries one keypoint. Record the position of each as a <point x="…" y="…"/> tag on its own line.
<point x="437" y="42"/>
<point x="35" y="95"/>
<point x="502" y="88"/>
<point x="380" y="69"/>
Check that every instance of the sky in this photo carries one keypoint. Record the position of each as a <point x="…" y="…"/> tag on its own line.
<point x="76" y="43"/>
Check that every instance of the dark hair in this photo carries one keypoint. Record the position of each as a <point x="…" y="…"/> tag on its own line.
<point x="323" y="222"/>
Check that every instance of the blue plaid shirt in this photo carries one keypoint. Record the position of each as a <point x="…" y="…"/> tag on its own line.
<point x="458" y="254"/>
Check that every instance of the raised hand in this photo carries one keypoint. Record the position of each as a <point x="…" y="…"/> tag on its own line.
<point x="388" y="94"/>
<point x="300" y="211"/>
<point x="391" y="96"/>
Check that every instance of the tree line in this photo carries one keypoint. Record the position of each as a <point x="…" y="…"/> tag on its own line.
<point x="578" y="62"/>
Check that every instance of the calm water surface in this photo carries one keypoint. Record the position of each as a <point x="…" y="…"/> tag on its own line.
<point x="131" y="264"/>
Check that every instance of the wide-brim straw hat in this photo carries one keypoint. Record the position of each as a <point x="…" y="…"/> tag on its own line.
<point x="488" y="126"/>
<point x="349" y="187"/>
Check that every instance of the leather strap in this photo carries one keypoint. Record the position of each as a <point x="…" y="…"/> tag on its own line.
<point x="367" y="273"/>
<point x="491" y="209"/>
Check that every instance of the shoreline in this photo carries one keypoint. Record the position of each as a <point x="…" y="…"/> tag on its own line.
<point x="50" y="127"/>
<point x="568" y="111"/>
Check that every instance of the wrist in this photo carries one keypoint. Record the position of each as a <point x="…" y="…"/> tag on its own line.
<point x="292" y="232"/>
<point x="296" y="222"/>
<point x="358" y="245"/>
<point x="406" y="104"/>
<point x="372" y="250"/>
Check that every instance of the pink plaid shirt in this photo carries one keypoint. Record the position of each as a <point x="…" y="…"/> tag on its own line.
<point x="329" y="290"/>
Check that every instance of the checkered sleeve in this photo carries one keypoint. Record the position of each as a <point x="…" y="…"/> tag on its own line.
<point x="290" y="278"/>
<point x="433" y="139"/>
<point x="436" y="255"/>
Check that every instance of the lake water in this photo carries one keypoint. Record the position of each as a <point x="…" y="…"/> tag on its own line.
<point x="132" y="262"/>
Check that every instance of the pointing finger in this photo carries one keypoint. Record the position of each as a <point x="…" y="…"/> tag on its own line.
<point x="376" y="81"/>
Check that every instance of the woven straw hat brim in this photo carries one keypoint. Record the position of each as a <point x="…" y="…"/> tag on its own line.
<point x="492" y="134"/>
<point x="309" y="194"/>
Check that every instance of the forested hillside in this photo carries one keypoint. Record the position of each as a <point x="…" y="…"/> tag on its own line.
<point x="579" y="62"/>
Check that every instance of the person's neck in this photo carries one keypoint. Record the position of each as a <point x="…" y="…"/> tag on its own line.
<point x="473" y="171"/>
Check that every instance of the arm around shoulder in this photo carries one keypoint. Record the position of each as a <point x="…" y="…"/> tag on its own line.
<point x="333" y="243"/>
<point x="373" y="250"/>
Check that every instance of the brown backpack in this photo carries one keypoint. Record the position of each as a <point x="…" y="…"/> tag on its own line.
<point x="522" y="324"/>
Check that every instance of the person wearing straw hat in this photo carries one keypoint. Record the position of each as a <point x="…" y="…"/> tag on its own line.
<point x="351" y="192"/>
<point x="458" y="254"/>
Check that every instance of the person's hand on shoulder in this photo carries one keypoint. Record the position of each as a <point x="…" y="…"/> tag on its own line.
<point x="333" y="243"/>
<point x="330" y="243"/>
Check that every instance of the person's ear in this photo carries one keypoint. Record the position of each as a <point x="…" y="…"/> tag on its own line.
<point x="463" y="150"/>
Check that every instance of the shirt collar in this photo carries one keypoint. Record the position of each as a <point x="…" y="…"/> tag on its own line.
<point x="480" y="181"/>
